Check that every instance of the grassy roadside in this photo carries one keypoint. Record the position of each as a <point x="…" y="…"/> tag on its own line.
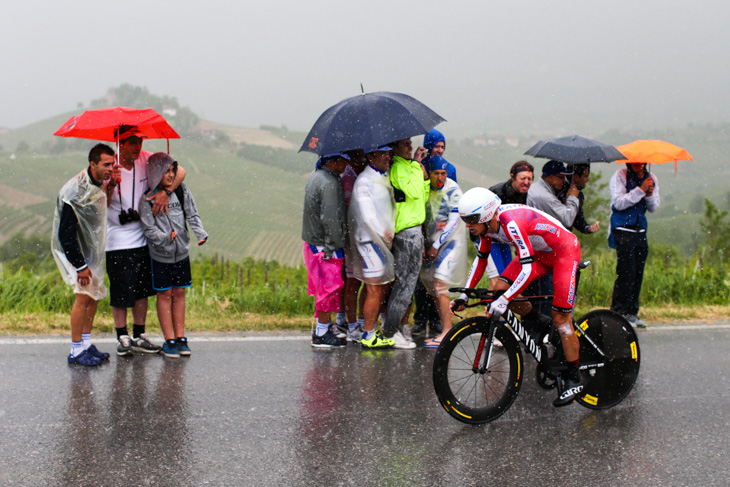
<point x="212" y="321"/>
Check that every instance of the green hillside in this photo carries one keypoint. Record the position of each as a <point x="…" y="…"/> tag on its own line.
<point x="249" y="208"/>
<point x="249" y="183"/>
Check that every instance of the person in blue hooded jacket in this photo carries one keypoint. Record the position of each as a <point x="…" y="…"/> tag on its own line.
<point x="435" y="144"/>
<point x="634" y="191"/>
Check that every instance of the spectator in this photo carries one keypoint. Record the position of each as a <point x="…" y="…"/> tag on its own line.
<point x="349" y="301"/>
<point x="78" y="243"/>
<point x="410" y="189"/>
<point x="324" y="231"/>
<point x="446" y="260"/>
<point x="372" y="229"/>
<point x="127" y="255"/>
<point x="512" y="191"/>
<point x="169" y="245"/>
<point x="581" y="176"/>
<point x="435" y="144"/>
<point x="633" y="191"/>
<point x="543" y="196"/>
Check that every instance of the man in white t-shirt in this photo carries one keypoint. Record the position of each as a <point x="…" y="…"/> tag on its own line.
<point x="127" y="256"/>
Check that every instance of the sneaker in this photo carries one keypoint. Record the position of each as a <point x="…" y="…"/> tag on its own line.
<point x="142" y="344"/>
<point x="419" y="328"/>
<point x="328" y="340"/>
<point x="376" y="341"/>
<point x="84" y="358"/>
<point x="170" y="351"/>
<point x="407" y="333"/>
<point x="340" y="331"/>
<point x="401" y="342"/>
<point x="96" y="353"/>
<point x="354" y="335"/>
<point x="436" y="328"/>
<point x="124" y="348"/>
<point x="634" y="321"/>
<point x="569" y="388"/>
<point x="182" y="347"/>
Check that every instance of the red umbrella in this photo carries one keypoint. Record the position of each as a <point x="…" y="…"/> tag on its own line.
<point x="101" y="124"/>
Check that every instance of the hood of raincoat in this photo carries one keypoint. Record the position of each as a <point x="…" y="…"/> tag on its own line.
<point x="432" y="138"/>
<point x="157" y="166"/>
<point x="436" y="163"/>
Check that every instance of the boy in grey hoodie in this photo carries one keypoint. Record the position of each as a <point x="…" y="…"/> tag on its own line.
<point x="169" y="244"/>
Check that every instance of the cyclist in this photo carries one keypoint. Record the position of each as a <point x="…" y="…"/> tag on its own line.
<point x="542" y="245"/>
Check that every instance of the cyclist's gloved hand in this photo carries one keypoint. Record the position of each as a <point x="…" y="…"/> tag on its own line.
<point x="459" y="303"/>
<point x="498" y="307"/>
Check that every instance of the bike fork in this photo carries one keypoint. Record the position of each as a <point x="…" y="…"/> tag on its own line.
<point x="480" y="350"/>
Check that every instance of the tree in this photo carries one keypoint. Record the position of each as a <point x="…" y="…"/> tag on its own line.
<point x="127" y="95"/>
<point x="716" y="231"/>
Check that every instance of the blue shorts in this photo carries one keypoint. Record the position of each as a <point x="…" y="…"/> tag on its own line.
<point x="167" y="276"/>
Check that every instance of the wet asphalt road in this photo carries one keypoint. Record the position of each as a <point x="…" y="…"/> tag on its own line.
<point x="271" y="411"/>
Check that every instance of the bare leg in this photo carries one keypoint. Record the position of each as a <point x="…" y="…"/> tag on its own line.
<point x="164" y="313"/>
<point x="178" y="311"/>
<point x="352" y="286"/>
<point x="82" y="316"/>
<point x="139" y="312"/>
<point x="119" y="315"/>
<point x="361" y="302"/>
<point x="372" y="305"/>
<point x="571" y="345"/>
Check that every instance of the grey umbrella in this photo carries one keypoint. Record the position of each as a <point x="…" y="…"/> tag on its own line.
<point x="575" y="149"/>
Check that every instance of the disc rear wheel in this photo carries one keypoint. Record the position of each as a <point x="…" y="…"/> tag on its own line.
<point x="609" y="358"/>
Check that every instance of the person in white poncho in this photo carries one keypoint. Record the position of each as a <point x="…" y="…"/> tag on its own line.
<point x="372" y="227"/>
<point x="445" y="265"/>
<point x="78" y="243"/>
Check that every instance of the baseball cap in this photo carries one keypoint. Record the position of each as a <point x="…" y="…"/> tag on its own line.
<point x="552" y="168"/>
<point x="382" y="148"/>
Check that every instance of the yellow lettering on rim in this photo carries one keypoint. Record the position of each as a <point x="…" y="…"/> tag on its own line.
<point x="592" y="400"/>
<point x="584" y="325"/>
<point x="634" y="351"/>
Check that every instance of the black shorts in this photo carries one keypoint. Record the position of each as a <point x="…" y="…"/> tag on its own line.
<point x="130" y="276"/>
<point x="167" y="276"/>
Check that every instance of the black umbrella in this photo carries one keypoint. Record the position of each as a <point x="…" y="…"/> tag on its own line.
<point x="575" y="149"/>
<point x="368" y="121"/>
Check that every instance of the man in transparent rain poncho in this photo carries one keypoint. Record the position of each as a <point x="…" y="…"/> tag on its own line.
<point x="372" y="228"/>
<point x="446" y="259"/>
<point x="78" y="243"/>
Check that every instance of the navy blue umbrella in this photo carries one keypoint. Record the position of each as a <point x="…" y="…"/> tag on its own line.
<point x="368" y="121"/>
<point x="575" y="149"/>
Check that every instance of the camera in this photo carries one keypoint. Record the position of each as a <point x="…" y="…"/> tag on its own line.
<point x="130" y="215"/>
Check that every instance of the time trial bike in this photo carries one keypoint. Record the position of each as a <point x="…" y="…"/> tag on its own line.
<point x="478" y="368"/>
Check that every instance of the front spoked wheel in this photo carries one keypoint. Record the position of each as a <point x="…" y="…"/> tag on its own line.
<point x="609" y="357"/>
<point x="474" y="383"/>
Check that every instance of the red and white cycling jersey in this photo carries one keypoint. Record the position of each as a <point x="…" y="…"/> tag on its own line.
<point x="542" y="244"/>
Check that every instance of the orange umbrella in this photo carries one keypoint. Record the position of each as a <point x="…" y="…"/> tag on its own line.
<point x="653" y="152"/>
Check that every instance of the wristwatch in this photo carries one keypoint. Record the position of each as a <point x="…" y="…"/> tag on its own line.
<point x="167" y="192"/>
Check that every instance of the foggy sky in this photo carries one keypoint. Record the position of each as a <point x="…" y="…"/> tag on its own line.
<point x="509" y="67"/>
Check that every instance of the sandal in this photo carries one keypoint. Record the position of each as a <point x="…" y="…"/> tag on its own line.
<point x="432" y="343"/>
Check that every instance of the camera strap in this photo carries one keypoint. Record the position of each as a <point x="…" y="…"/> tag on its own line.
<point x="119" y="189"/>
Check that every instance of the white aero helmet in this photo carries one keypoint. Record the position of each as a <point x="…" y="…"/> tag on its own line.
<point x="478" y="205"/>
